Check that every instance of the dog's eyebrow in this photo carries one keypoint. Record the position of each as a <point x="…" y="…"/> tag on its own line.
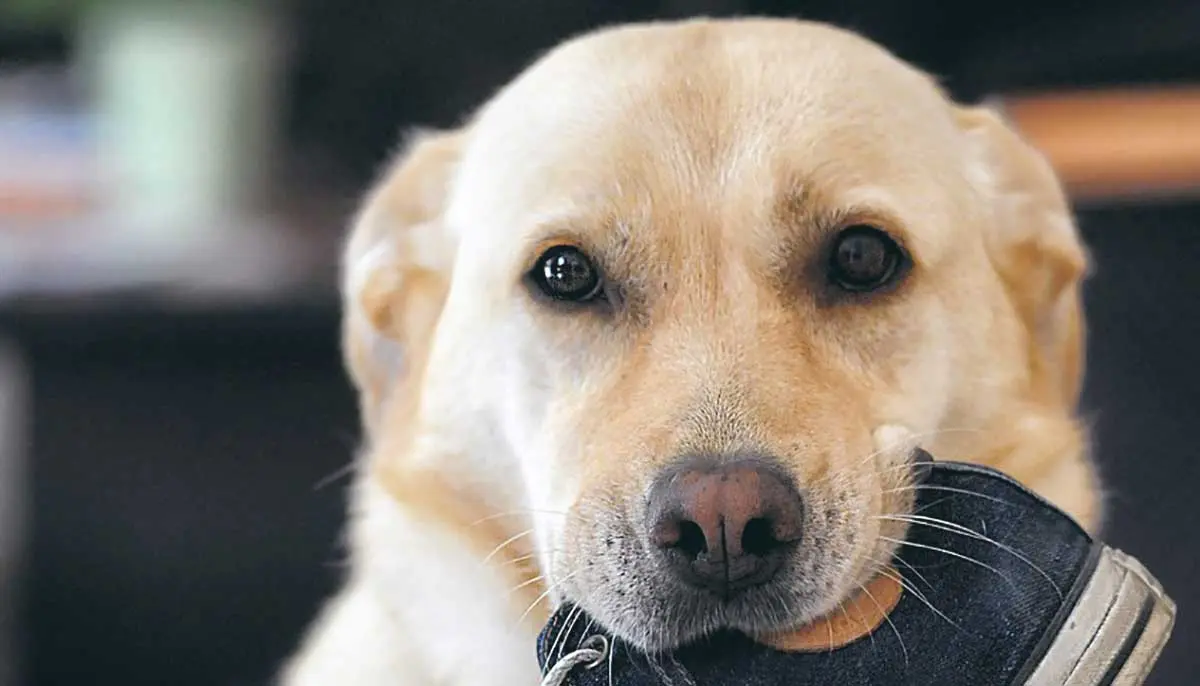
<point x="804" y="205"/>
<point x="799" y="204"/>
<point x="810" y="216"/>
<point x="576" y="230"/>
<point x="822" y="212"/>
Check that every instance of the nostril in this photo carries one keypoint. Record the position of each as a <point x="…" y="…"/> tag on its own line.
<point x="691" y="540"/>
<point x="758" y="538"/>
<point x="724" y="525"/>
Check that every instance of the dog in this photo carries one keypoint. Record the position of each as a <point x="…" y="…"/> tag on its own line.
<point x="658" y="332"/>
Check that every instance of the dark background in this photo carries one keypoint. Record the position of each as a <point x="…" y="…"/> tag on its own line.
<point x="178" y="532"/>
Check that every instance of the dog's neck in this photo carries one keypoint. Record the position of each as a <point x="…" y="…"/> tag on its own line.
<point x="1046" y="451"/>
<point x="465" y="485"/>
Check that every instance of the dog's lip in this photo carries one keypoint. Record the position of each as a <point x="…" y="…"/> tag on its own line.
<point x="922" y="465"/>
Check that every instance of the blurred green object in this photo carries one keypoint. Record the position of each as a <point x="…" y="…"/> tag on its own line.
<point x="185" y="99"/>
<point x="185" y="95"/>
<point x="42" y="12"/>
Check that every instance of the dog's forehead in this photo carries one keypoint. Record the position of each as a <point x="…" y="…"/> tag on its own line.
<point x="704" y="110"/>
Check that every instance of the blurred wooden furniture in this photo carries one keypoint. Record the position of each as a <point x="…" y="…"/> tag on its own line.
<point x="1106" y="144"/>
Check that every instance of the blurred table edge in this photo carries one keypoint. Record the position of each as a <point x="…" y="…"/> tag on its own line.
<point x="256" y="270"/>
<point x="1138" y="143"/>
<point x="14" y="417"/>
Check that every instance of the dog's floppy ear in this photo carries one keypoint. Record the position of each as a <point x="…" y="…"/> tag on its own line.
<point x="396" y="269"/>
<point x="1035" y="247"/>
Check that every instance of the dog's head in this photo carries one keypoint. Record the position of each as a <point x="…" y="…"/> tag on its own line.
<point x="692" y="295"/>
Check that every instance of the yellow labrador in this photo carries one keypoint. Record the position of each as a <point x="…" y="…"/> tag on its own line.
<point x="658" y="331"/>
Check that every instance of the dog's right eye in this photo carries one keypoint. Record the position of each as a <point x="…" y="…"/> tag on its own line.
<point x="564" y="272"/>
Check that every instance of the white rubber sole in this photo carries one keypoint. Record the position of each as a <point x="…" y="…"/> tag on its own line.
<point x="1115" y="632"/>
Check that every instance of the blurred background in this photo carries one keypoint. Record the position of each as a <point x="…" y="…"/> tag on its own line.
<point x="175" y="176"/>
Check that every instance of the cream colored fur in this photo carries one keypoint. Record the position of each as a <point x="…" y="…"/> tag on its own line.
<point x="507" y="444"/>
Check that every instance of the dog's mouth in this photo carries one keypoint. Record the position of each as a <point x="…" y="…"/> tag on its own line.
<point x="657" y="612"/>
<point x="660" y="593"/>
<point x="733" y="545"/>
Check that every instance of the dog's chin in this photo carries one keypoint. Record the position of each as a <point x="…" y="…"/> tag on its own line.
<point x="673" y="616"/>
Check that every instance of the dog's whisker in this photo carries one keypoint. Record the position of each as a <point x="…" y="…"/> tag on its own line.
<point x="914" y="438"/>
<point x="886" y="618"/>
<point x="932" y="504"/>
<point x="545" y="594"/>
<point x="952" y="527"/>
<point x="783" y="607"/>
<point x="905" y="584"/>
<point x="612" y="652"/>
<point x="906" y="467"/>
<point x="526" y="583"/>
<point x="846" y="614"/>
<point x="829" y="625"/>
<point x="851" y="468"/>
<point x="884" y="472"/>
<point x="659" y="667"/>
<point x="507" y="542"/>
<point x="776" y="613"/>
<point x="572" y="617"/>
<point x="578" y="611"/>
<point x="951" y="553"/>
<point x="914" y="571"/>
<point x="530" y="556"/>
<point x="896" y="576"/>
<point x="949" y="489"/>
<point x="336" y="475"/>
<point x="687" y="677"/>
<point x="515" y="513"/>
<point x="588" y="627"/>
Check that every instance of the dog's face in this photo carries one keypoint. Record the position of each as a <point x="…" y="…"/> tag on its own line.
<point x="706" y="287"/>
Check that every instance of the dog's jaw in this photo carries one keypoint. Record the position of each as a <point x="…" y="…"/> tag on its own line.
<point x="608" y="565"/>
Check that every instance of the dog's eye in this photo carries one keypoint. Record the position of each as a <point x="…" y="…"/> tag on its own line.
<point x="864" y="259"/>
<point x="564" y="272"/>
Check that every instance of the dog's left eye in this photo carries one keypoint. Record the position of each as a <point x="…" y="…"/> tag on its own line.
<point x="564" y="272"/>
<point x="864" y="258"/>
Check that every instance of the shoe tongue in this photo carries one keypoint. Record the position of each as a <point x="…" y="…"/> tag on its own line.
<point x="855" y="618"/>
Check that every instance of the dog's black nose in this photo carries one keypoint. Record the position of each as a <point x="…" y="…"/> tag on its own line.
<point x="724" y="526"/>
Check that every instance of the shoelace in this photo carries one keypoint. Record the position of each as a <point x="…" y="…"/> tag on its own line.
<point x="591" y="654"/>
